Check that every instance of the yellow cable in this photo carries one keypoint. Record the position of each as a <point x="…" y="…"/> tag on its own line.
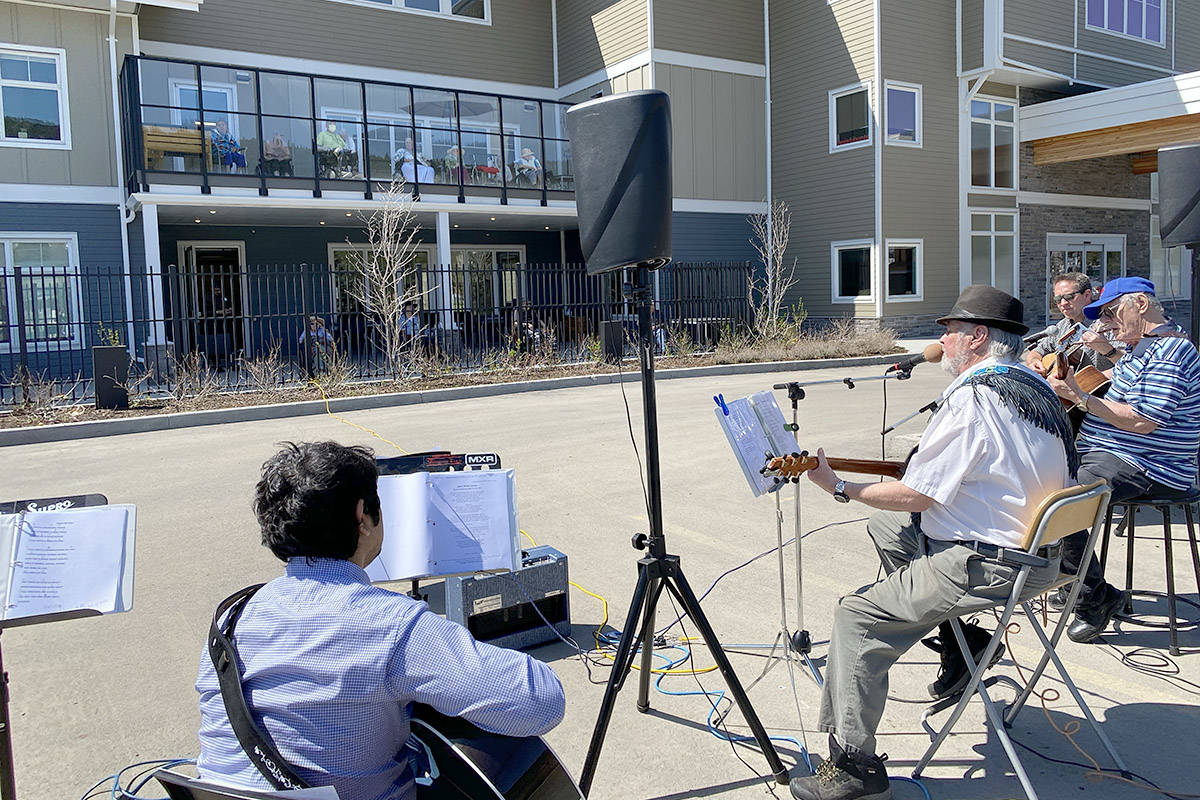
<point x="352" y="424"/>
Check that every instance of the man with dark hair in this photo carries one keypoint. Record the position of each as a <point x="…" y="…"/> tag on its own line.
<point x="330" y="665"/>
<point x="998" y="444"/>
<point x="1072" y="292"/>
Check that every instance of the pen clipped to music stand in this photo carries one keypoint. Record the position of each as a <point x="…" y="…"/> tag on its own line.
<point x="7" y="772"/>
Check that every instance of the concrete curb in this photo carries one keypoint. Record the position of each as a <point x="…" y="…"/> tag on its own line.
<point x="191" y="419"/>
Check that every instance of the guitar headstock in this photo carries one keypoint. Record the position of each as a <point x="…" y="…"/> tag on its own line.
<point x="790" y="467"/>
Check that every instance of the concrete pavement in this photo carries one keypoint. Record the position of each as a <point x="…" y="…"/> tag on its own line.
<point x="91" y="695"/>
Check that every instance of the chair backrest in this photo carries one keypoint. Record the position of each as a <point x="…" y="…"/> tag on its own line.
<point x="1075" y="508"/>
<point x="183" y="787"/>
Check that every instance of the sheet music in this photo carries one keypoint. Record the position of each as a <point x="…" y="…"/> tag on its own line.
<point x="447" y="523"/>
<point x="749" y="441"/>
<point x="771" y="416"/>
<point x="68" y="560"/>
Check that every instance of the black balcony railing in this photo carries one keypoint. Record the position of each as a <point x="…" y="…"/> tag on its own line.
<point x="230" y="328"/>
<point x="225" y="125"/>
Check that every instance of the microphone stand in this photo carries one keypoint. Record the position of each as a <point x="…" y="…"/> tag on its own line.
<point x="657" y="571"/>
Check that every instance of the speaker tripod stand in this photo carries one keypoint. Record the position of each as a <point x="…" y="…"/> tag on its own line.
<point x="659" y="571"/>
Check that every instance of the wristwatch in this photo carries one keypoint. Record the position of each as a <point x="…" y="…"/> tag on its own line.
<point x="839" y="492"/>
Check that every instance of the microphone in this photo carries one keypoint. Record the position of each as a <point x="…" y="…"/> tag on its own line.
<point x="932" y="353"/>
<point x="1034" y="338"/>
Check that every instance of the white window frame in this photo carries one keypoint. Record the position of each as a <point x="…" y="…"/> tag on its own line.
<point x="992" y="233"/>
<point x="64" y="105"/>
<point x="834" y="277"/>
<point x="918" y="271"/>
<point x="444" y="13"/>
<point x="8" y="286"/>
<point x="227" y="89"/>
<point x="1162" y="25"/>
<point x="834" y="94"/>
<point x="992" y="123"/>
<point x="915" y="89"/>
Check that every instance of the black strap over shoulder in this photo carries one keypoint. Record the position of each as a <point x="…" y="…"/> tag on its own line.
<point x="255" y="741"/>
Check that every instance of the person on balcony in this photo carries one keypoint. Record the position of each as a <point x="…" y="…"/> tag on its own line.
<point x="454" y="164"/>
<point x="336" y="154"/>
<point x="529" y="169"/>
<point x="277" y="156"/>
<point x="411" y="165"/>
<point x="228" y="152"/>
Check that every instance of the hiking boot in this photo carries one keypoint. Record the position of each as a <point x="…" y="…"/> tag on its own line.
<point x="844" y="776"/>
<point x="954" y="673"/>
<point x="1057" y="600"/>
<point x="1091" y="622"/>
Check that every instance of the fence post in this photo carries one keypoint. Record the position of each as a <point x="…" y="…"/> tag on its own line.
<point x="24" y="346"/>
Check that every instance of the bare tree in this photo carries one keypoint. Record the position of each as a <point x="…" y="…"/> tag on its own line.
<point x="768" y="290"/>
<point x="387" y="272"/>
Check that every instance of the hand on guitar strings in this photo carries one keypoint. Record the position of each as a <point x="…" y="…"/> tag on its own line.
<point x="1066" y="387"/>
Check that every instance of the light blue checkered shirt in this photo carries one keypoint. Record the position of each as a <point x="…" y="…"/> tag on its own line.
<point x="330" y="665"/>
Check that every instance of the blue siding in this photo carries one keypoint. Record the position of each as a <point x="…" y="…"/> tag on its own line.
<point x="699" y="237"/>
<point x="97" y="228"/>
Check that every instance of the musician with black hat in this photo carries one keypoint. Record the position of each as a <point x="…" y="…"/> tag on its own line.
<point x="999" y="443"/>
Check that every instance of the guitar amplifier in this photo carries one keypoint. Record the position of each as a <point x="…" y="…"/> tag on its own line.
<point x="499" y="609"/>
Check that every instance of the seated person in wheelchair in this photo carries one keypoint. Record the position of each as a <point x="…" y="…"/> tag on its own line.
<point x="336" y="154"/>
<point x="1142" y="436"/>
<point x="226" y="148"/>
<point x="529" y="169"/>
<point x="331" y="664"/>
<point x="277" y="156"/>
<point x="411" y="165"/>
<point x="998" y="445"/>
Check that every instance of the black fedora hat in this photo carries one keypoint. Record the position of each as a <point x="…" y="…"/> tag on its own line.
<point x="987" y="305"/>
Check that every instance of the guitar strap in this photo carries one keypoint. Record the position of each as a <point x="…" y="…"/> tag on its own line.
<point x="255" y="741"/>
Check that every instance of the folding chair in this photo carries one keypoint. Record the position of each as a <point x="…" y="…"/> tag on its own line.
<point x="1061" y="514"/>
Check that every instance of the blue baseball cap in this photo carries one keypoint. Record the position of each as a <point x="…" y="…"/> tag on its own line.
<point x="1117" y="287"/>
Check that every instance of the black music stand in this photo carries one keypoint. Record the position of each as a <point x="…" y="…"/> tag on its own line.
<point x="8" y="784"/>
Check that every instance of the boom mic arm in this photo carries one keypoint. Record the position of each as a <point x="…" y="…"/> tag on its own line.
<point x="1034" y="338"/>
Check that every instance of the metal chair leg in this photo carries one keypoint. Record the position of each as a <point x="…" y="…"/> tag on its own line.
<point x="1191" y="529"/>
<point x="1171" y="623"/>
<point x="1104" y="542"/>
<point x="1130" y="537"/>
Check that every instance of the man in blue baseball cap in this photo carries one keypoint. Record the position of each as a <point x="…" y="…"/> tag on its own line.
<point x="1142" y="436"/>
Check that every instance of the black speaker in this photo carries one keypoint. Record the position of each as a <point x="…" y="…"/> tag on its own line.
<point x="621" y="149"/>
<point x="1179" y="194"/>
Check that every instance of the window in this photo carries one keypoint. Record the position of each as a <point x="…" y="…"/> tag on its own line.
<point x="477" y="10"/>
<point x="850" y="117"/>
<point x="1137" y="19"/>
<point x="904" y="266"/>
<point x="902" y="105"/>
<point x="48" y="292"/>
<point x="345" y="267"/>
<point x="993" y="149"/>
<point x="33" y="97"/>
<point x="993" y="250"/>
<point x="851" y="264"/>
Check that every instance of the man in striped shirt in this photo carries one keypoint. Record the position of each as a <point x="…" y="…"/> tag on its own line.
<point x="1143" y="435"/>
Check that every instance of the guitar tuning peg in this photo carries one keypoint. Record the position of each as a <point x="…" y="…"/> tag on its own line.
<point x="802" y="454"/>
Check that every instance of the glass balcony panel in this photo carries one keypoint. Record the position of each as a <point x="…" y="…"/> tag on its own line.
<point x="287" y="151"/>
<point x="167" y="143"/>
<point x="434" y="108"/>
<point x="338" y="98"/>
<point x="233" y="143"/>
<point x="389" y="104"/>
<point x="559" y="174"/>
<point x="158" y="82"/>
<point x="394" y="155"/>
<point x="339" y="145"/>
<point x="285" y="95"/>
<point x="481" y="158"/>
<point x="228" y="89"/>
<point x="479" y="112"/>
<point x="554" y="120"/>
<point x="439" y="149"/>
<point x="525" y="161"/>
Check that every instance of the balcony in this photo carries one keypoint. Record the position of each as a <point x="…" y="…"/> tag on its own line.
<point x="227" y="127"/>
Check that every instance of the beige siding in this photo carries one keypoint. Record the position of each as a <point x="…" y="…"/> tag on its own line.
<point x="1187" y="38"/>
<point x="625" y="82"/>
<point x="718" y="147"/>
<point x="515" y="48"/>
<point x="91" y="161"/>
<point x="1059" y="61"/>
<point x="1111" y="73"/>
<point x="816" y="47"/>
<point x="1044" y="20"/>
<point x="975" y="200"/>
<point x="593" y="34"/>
<point x="920" y="186"/>
<point x="972" y="34"/>
<point x="719" y="28"/>
<point x="1128" y="49"/>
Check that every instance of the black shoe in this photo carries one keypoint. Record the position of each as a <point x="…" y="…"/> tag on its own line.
<point x="1057" y="600"/>
<point x="954" y="673"/>
<point x="1094" y="621"/>
<point x="844" y="776"/>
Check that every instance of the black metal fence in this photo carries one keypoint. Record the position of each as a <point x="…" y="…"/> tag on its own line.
<point x="222" y="327"/>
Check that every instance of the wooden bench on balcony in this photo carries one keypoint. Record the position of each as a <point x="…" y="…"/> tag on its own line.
<point x="170" y="140"/>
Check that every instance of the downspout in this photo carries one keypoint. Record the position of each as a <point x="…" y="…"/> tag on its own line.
<point x="878" y="121"/>
<point x="767" y="115"/>
<point x="120" y="161"/>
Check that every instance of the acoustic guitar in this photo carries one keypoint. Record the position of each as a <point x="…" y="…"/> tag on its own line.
<point x="785" y="468"/>
<point x="467" y="763"/>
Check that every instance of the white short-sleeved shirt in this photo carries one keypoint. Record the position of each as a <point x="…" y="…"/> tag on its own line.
<point x="986" y="468"/>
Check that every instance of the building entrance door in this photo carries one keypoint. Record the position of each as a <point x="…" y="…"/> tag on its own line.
<point x="1099" y="256"/>
<point x="212" y="283"/>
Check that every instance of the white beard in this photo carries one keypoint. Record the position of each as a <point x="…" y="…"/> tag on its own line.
<point x="954" y="365"/>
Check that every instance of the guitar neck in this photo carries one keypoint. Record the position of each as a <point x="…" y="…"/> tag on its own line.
<point x="864" y="466"/>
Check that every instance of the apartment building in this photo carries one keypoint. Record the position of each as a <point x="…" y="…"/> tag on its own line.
<point x="926" y="145"/>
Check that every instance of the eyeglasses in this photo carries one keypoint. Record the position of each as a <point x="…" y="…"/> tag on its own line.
<point x="1109" y="313"/>
<point x="1066" y="298"/>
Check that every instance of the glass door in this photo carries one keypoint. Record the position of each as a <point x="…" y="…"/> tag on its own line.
<point x="1101" y="257"/>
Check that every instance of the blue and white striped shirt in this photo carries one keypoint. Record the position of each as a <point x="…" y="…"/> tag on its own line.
<point x="1160" y="379"/>
<point x="330" y="666"/>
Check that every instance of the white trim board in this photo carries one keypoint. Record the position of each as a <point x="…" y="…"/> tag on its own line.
<point x="685" y="204"/>
<point x="339" y="70"/>
<point x="46" y="193"/>
<point x="680" y="59"/>
<point x="1124" y="105"/>
<point x="1025" y="198"/>
<point x="336" y="204"/>
<point x="601" y="75"/>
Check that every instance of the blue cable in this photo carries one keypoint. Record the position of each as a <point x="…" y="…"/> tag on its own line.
<point x="920" y="785"/>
